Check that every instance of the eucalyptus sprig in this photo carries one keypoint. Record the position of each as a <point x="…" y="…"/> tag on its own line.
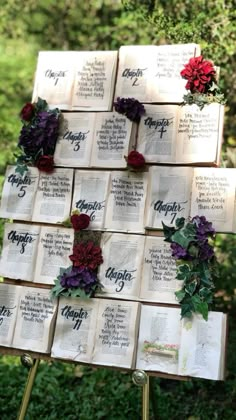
<point x="196" y="263"/>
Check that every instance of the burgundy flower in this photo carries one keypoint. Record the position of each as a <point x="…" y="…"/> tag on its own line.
<point x="27" y="111"/>
<point x="86" y="255"/>
<point x="199" y="73"/>
<point x="135" y="160"/>
<point x="80" y="221"/>
<point x="130" y="107"/>
<point x="45" y="163"/>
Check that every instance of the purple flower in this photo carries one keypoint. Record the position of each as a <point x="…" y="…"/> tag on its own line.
<point x="81" y="278"/>
<point x="178" y="251"/>
<point x="130" y="107"/>
<point x="41" y="135"/>
<point x="204" y="228"/>
<point x="206" y="251"/>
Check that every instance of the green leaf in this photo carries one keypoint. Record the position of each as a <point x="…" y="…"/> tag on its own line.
<point x="191" y="287"/>
<point x="183" y="272"/>
<point x="200" y="306"/>
<point x="186" y="310"/>
<point x="185" y="235"/>
<point x="21" y="169"/>
<point x="180" y="222"/>
<point x="168" y="232"/>
<point x="180" y="294"/>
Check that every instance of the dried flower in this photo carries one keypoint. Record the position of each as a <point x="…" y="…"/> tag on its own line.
<point x="80" y="221"/>
<point x="135" y="160"/>
<point x="27" y="111"/>
<point x="86" y="255"/>
<point x="45" y="163"/>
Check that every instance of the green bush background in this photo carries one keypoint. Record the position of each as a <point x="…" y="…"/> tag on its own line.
<point x="66" y="390"/>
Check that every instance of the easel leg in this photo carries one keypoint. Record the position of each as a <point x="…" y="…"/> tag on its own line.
<point x="140" y="378"/>
<point x="31" y="363"/>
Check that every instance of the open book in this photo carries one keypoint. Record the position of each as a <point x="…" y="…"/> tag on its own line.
<point x="181" y="134"/>
<point x="152" y="73"/>
<point x="76" y="80"/>
<point x="93" y="139"/>
<point x="184" y="191"/>
<point x="114" y="200"/>
<point x="138" y="267"/>
<point x="37" y="197"/>
<point x="97" y="331"/>
<point x="35" y="253"/>
<point x="27" y="318"/>
<point x="181" y="347"/>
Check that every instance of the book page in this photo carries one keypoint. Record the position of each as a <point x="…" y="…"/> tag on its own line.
<point x="199" y="133"/>
<point x="111" y="140"/>
<point x="213" y="196"/>
<point x="135" y="69"/>
<point x="75" y="329"/>
<point x="126" y="201"/>
<point x="54" y="78"/>
<point x="120" y="271"/>
<point x="201" y="346"/>
<point x="116" y="333"/>
<point x="9" y="297"/>
<point x="158" y="279"/>
<point x="157" y="133"/>
<point x="159" y="339"/>
<point x="55" y="247"/>
<point x="18" y="194"/>
<point x="94" y="80"/>
<point x="53" y="197"/>
<point x="35" y="320"/>
<point x="74" y="144"/>
<point x="167" y="84"/>
<point x="20" y="247"/>
<point x="169" y="195"/>
<point x="90" y="194"/>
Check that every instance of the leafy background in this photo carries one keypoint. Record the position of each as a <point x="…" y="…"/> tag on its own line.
<point x="66" y="390"/>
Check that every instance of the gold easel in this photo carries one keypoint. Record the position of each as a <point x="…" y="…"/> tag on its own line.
<point x="139" y="377"/>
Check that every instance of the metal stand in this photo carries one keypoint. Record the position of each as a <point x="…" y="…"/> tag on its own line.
<point x="31" y="364"/>
<point x="140" y="378"/>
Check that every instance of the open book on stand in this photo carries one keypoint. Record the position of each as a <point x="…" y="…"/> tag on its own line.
<point x="89" y="139"/>
<point x="76" y="80"/>
<point x="181" y="134"/>
<point x="189" y="347"/>
<point x="27" y="318"/>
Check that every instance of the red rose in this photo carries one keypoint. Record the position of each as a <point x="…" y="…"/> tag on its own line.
<point x="45" y="163"/>
<point x="200" y="74"/>
<point x="80" y="221"/>
<point x="86" y="255"/>
<point x="27" y="112"/>
<point x="135" y="160"/>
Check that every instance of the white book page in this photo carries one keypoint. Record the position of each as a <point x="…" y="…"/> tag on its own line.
<point x="116" y="333"/>
<point x="75" y="329"/>
<point x="135" y="69"/>
<point x="74" y="144"/>
<point x="169" y="195"/>
<point x="20" y="247"/>
<point x="157" y="133"/>
<point x="199" y="133"/>
<point x="18" y="194"/>
<point x="120" y="271"/>
<point x="167" y="84"/>
<point x="213" y="196"/>
<point x="159" y="339"/>
<point x="55" y="247"/>
<point x="94" y="80"/>
<point x="111" y="140"/>
<point x="9" y="296"/>
<point x="53" y="197"/>
<point x="54" y="78"/>
<point x="90" y="194"/>
<point x="35" y="320"/>
<point x="126" y="201"/>
<point x="201" y="346"/>
<point x="158" y="280"/>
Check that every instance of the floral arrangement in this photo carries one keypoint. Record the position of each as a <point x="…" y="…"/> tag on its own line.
<point x="196" y="263"/>
<point x="38" y="136"/>
<point x="201" y="82"/>
<point x="133" y="110"/>
<point x="80" y="279"/>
